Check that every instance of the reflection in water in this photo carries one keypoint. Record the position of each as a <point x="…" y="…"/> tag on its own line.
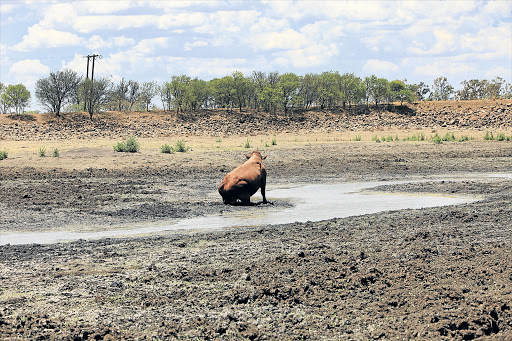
<point x="310" y="203"/>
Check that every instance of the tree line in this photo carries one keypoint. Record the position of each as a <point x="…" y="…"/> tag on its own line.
<point x="262" y="91"/>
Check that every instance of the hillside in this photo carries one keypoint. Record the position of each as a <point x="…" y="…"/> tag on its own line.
<point x="488" y="114"/>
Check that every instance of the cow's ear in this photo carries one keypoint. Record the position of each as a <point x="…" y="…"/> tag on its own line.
<point x="263" y="157"/>
<point x="248" y="156"/>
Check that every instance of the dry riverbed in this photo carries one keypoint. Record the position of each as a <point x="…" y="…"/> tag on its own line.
<point x="430" y="273"/>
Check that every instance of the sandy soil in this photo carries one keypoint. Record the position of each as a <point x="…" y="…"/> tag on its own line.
<point x="436" y="273"/>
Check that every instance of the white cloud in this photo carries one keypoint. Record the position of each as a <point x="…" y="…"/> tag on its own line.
<point x="149" y="46"/>
<point x="123" y="41"/>
<point x="499" y="71"/>
<point x="308" y="57"/>
<point x="59" y="14"/>
<point x="77" y="64"/>
<point x="496" y="40"/>
<point x="40" y="37"/>
<point x="446" y="67"/>
<point x="199" y="43"/>
<point x="105" y="7"/>
<point x="91" y="23"/>
<point x="267" y="24"/>
<point x="288" y="39"/>
<point x="355" y="10"/>
<point x="28" y="71"/>
<point x="444" y="41"/>
<point x="211" y="67"/>
<point x="379" y="67"/>
<point x="497" y="8"/>
<point x="6" y="7"/>
<point x="96" y="42"/>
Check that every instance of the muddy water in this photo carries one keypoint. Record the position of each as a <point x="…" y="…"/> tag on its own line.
<point x="309" y="203"/>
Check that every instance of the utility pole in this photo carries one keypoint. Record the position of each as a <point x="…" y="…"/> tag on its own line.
<point x="87" y="77"/>
<point x="89" y="99"/>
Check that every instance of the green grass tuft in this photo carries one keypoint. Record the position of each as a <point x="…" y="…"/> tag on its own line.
<point x="166" y="149"/>
<point x="130" y="145"/>
<point x="42" y="152"/>
<point x="180" y="147"/>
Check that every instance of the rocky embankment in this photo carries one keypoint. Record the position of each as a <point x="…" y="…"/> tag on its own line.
<point x="219" y="122"/>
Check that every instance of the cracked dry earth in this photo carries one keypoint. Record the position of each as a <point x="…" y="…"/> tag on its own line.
<point x="434" y="273"/>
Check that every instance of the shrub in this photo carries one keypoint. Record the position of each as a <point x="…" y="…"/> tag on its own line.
<point x="130" y="145"/>
<point x="464" y="138"/>
<point x="55" y="152"/>
<point x="274" y="141"/>
<point x="3" y="154"/>
<point x="180" y="147"/>
<point x="166" y="149"/>
<point x="436" y="139"/>
<point x="501" y="137"/>
<point x="488" y="136"/>
<point x="415" y="137"/>
<point x="449" y="137"/>
<point x="357" y="138"/>
<point x="376" y="139"/>
<point x="42" y="152"/>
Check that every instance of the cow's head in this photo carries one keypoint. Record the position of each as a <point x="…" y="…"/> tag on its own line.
<point x="256" y="153"/>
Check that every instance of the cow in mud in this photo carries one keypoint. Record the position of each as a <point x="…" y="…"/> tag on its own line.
<point x="242" y="182"/>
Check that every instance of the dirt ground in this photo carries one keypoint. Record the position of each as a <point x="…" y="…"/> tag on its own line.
<point x="434" y="273"/>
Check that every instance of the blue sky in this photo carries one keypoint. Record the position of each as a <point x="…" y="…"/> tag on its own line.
<point x="153" y="40"/>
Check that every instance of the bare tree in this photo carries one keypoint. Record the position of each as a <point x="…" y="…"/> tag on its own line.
<point x="57" y="89"/>
<point x="133" y="94"/>
<point x="99" y="93"/>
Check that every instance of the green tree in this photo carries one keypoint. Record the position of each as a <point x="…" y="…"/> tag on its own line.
<point x="289" y="89"/>
<point x="17" y="97"/>
<point x="258" y="80"/>
<point x="351" y="88"/>
<point x="242" y="89"/>
<point x="328" y="89"/>
<point x="179" y="87"/>
<point x="400" y="92"/>
<point x="223" y="91"/>
<point x="4" y="105"/>
<point x="148" y="91"/>
<point x="441" y="89"/>
<point x="420" y="90"/>
<point x="496" y="87"/>
<point x="197" y="94"/>
<point x="308" y="89"/>
<point x="59" y="88"/>
<point x="473" y="89"/>
<point x="380" y="90"/>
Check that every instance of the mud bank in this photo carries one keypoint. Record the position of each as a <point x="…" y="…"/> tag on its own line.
<point x="435" y="273"/>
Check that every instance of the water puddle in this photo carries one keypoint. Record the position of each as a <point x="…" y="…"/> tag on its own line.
<point x="310" y="203"/>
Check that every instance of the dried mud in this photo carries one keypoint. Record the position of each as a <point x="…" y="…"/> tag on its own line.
<point x="435" y="273"/>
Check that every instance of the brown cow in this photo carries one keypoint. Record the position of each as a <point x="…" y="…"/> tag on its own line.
<point x="243" y="181"/>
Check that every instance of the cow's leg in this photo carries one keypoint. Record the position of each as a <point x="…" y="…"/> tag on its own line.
<point x="245" y="199"/>
<point x="263" y="184"/>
